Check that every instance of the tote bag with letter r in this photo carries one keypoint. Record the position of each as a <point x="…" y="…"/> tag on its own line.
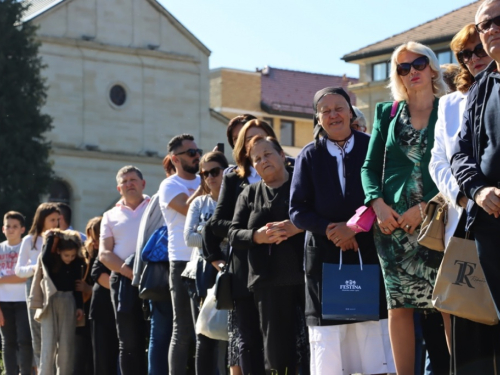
<point x="350" y="291"/>
<point x="461" y="287"/>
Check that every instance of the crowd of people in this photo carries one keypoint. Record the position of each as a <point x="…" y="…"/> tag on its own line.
<point x="76" y="303"/>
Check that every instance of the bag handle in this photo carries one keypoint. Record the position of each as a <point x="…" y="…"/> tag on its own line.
<point x="394" y="110"/>
<point x="360" y="260"/>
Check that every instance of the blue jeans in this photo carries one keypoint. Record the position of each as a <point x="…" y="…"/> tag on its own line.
<point x="16" y="338"/>
<point x="161" y="333"/>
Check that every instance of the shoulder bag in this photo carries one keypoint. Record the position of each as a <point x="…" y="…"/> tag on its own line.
<point x="223" y="286"/>
<point x="433" y="227"/>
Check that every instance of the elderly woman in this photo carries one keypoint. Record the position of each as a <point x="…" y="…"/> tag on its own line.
<point x="275" y="248"/>
<point x="473" y="349"/>
<point x="397" y="185"/>
<point x="325" y="192"/>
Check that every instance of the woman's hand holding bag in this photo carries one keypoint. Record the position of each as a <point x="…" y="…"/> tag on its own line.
<point x="342" y="236"/>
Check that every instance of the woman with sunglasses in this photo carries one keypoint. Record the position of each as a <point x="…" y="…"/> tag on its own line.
<point x="198" y="275"/>
<point x="397" y="185"/>
<point x="244" y="315"/>
<point x="473" y="343"/>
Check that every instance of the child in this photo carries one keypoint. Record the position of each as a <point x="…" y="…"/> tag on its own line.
<point x="46" y="217"/>
<point x="15" y="329"/>
<point x="62" y="265"/>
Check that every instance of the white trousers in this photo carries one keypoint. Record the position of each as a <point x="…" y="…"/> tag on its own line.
<point x="351" y="348"/>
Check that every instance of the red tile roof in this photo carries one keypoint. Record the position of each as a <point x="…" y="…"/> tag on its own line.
<point x="289" y="92"/>
<point x="441" y="29"/>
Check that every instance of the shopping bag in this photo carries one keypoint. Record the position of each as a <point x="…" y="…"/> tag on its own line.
<point x="461" y="287"/>
<point x="211" y="322"/>
<point x="350" y="292"/>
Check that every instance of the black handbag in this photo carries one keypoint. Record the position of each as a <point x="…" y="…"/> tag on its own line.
<point x="154" y="284"/>
<point x="223" y="287"/>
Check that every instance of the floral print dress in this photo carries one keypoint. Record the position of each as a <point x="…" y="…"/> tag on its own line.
<point x="409" y="269"/>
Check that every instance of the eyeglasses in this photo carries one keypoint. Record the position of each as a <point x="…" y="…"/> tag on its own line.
<point x="214" y="172"/>
<point x="191" y="152"/>
<point x="466" y="55"/>
<point x="484" y="26"/>
<point x="419" y="64"/>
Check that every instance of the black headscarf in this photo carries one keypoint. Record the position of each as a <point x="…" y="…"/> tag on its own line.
<point x="318" y="130"/>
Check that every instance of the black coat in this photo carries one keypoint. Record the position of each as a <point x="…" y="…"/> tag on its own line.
<point x="269" y="265"/>
<point x="316" y="200"/>
<point x="217" y="229"/>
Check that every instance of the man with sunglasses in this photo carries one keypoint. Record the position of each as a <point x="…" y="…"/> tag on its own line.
<point x="174" y="194"/>
<point x="476" y="163"/>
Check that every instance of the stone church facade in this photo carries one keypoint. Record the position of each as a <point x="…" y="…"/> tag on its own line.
<point x="124" y="77"/>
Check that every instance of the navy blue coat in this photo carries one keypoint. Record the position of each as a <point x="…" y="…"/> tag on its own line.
<point x="465" y="163"/>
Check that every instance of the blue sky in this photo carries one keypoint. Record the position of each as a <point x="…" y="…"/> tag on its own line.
<point x="309" y="35"/>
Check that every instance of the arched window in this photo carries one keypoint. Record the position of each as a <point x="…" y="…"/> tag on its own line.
<point x="59" y="192"/>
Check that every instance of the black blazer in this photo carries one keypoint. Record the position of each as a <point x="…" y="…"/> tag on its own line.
<point x="217" y="229"/>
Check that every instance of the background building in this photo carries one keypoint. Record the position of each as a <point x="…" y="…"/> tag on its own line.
<point x="124" y="77"/>
<point x="281" y="97"/>
<point x="374" y="60"/>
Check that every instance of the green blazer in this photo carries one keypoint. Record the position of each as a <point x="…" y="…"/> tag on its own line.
<point x="398" y="167"/>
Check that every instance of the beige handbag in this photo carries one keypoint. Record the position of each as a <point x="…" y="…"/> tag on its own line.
<point x="461" y="287"/>
<point x="432" y="229"/>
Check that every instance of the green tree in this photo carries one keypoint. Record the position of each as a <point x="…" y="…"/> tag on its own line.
<point x="25" y="171"/>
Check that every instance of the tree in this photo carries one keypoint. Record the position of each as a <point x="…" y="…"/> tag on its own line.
<point x="25" y="170"/>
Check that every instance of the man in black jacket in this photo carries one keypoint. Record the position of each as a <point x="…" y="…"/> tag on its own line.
<point x="476" y="163"/>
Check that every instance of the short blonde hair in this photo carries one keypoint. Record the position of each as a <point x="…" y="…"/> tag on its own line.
<point x="396" y="85"/>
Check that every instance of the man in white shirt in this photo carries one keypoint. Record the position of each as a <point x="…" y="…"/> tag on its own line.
<point x="118" y="238"/>
<point x="175" y="193"/>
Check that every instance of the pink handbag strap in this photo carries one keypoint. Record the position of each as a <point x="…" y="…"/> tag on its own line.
<point x="394" y="109"/>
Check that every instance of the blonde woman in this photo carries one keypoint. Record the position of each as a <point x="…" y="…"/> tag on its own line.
<point x="398" y="159"/>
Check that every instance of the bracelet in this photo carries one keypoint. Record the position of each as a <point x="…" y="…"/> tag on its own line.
<point x="421" y="212"/>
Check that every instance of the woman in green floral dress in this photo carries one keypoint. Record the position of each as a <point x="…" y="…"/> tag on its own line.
<point x="397" y="185"/>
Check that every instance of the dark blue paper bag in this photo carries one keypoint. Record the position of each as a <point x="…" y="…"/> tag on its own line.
<point x="350" y="292"/>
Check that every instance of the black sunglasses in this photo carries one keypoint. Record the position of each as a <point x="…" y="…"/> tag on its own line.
<point x="484" y="26"/>
<point x="214" y="172"/>
<point x="419" y="64"/>
<point x="465" y="55"/>
<point x="191" y="152"/>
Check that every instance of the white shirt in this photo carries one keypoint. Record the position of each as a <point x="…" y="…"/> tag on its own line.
<point x="122" y="223"/>
<point x="170" y="188"/>
<point x="450" y="117"/>
<point x="8" y="258"/>
<point x="26" y="261"/>
<point x="253" y="177"/>
<point x="335" y="151"/>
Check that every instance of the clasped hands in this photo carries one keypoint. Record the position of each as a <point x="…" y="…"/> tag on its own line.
<point x="389" y="220"/>
<point x="275" y="232"/>
<point x="342" y="236"/>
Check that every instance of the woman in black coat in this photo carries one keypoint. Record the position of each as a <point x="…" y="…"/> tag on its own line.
<point x="275" y="248"/>
<point x="245" y="340"/>
<point x="326" y="191"/>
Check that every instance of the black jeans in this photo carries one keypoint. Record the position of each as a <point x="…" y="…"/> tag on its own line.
<point x="131" y="328"/>
<point x="183" y="328"/>
<point x="487" y="232"/>
<point x="16" y="338"/>
<point x="251" y="344"/>
<point x="105" y="346"/>
<point x="474" y="347"/>
<point x="206" y="348"/>
<point x="277" y="306"/>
